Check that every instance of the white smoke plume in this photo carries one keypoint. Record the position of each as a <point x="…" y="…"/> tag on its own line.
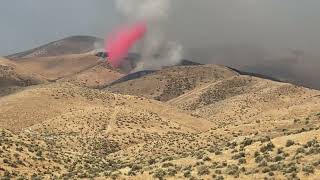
<point x="156" y="50"/>
<point x="153" y="10"/>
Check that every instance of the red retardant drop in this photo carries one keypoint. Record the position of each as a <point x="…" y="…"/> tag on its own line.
<point x="118" y="45"/>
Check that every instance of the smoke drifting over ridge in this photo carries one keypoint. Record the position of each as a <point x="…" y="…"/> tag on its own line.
<point x="252" y="35"/>
<point x="258" y="36"/>
<point x="156" y="49"/>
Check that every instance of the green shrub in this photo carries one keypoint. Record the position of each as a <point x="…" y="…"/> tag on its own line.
<point x="242" y="161"/>
<point x="268" y="147"/>
<point x="238" y="156"/>
<point x="289" y="143"/>
<point x="203" y="170"/>
<point x="247" y="142"/>
<point x="309" y="169"/>
<point x="159" y="174"/>
<point x="172" y="172"/>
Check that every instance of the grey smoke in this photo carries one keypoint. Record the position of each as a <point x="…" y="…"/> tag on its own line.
<point x="257" y="36"/>
<point x="156" y="49"/>
<point x="260" y="36"/>
<point x="144" y="9"/>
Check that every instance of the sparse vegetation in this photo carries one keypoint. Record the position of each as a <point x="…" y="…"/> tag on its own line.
<point x="289" y="143"/>
<point x="211" y="123"/>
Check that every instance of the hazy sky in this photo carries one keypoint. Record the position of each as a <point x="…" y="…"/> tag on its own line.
<point x="230" y="32"/>
<point x="29" y="23"/>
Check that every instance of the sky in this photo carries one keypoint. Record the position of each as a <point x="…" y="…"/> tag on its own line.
<point x="25" y="24"/>
<point x="28" y="23"/>
<point x="240" y="33"/>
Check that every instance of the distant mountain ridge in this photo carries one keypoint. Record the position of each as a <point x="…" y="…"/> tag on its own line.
<point x="66" y="46"/>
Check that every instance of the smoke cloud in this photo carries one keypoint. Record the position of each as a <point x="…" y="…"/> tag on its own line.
<point x="258" y="36"/>
<point x="156" y="49"/>
<point x="144" y="9"/>
<point x="272" y="37"/>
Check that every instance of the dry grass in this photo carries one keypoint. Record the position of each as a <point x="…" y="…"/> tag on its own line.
<point x="212" y="124"/>
<point x="172" y="82"/>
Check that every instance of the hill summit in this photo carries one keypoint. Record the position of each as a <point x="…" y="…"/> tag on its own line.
<point x="66" y="46"/>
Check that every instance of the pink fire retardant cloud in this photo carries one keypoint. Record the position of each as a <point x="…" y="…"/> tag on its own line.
<point x="119" y="43"/>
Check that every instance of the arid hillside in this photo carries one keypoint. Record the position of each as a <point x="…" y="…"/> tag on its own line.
<point x="68" y="114"/>
<point x="14" y="77"/>
<point x="186" y="122"/>
<point x="58" y="119"/>
<point x="172" y="82"/>
<point x="81" y="69"/>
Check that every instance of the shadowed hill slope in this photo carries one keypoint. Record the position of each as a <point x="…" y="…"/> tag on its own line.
<point x="172" y="82"/>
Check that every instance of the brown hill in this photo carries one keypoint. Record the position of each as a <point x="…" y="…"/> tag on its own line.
<point x="63" y="118"/>
<point x="81" y="69"/>
<point x="69" y="45"/>
<point x="96" y="77"/>
<point x="13" y="77"/>
<point x="244" y="102"/>
<point x="172" y="82"/>
<point x="213" y="124"/>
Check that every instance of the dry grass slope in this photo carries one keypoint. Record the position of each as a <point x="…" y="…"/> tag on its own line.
<point x="69" y="122"/>
<point x="96" y="77"/>
<point x="81" y="69"/>
<point x="210" y="123"/>
<point x="13" y="77"/>
<point x="172" y="82"/>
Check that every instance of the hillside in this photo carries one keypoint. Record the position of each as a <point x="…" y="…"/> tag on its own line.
<point x="203" y="122"/>
<point x="172" y="82"/>
<point x="81" y="124"/>
<point x="69" y="45"/>
<point x="96" y="77"/>
<point x="13" y="77"/>
<point x="81" y="69"/>
<point x="244" y="102"/>
<point x="294" y="156"/>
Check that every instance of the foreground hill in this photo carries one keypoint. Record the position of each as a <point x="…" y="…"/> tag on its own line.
<point x="212" y="123"/>
<point x="294" y="156"/>
<point x="69" y="45"/>
<point x="61" y="122"/>
<point x="57" y="99"/>
<point x="14" y="77"/>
